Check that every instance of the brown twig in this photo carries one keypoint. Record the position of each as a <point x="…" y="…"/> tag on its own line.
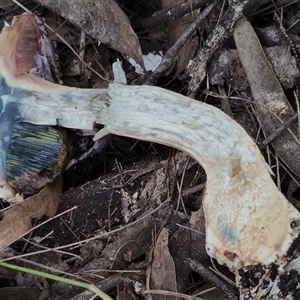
<point x="213" y="278"/>
<point x="279" y="130"/>
<point x="193" y="190"/>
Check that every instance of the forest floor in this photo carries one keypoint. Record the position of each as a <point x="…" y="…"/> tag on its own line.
<point x="124" y="218"/>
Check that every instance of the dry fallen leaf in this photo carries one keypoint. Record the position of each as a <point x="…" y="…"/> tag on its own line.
<point x="103" y="20"/>
<point x="163" y="276"/>
<point x="16" y="221"/>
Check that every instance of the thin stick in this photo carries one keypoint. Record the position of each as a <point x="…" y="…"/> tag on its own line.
<point x="279" y="130"/>
<point x="213" y="278"/>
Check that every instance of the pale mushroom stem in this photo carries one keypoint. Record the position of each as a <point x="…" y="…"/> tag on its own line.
<point x="241" y="202"/>
<point x="39" y="102"/>
<point x="250" y="226"/>
<point x="239" y="190"/>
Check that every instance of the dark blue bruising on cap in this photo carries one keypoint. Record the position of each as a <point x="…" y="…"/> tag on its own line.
<point x="8" y="114"/>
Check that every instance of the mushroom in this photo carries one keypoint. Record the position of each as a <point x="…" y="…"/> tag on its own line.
<point x="26" y="52"/>
<point x="250" y="226"/>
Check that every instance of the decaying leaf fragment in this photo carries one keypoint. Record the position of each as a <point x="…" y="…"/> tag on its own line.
<point x="103" y="20"/>
<point x="16" y="220"/>
<point x="163" y="276"/>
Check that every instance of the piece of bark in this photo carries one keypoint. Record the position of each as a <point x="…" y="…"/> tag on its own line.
<point x="110" y="208"/>
<point x="272" y="106"/>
